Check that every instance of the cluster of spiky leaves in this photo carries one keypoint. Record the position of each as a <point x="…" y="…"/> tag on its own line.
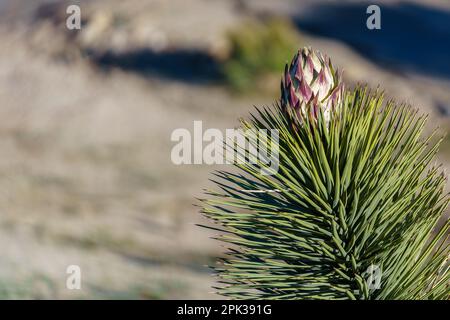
<point x="357" y="192"/>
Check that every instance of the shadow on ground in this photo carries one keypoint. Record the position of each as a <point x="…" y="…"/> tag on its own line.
<point x="193" y="66"/>
<point x="413" y="37"/>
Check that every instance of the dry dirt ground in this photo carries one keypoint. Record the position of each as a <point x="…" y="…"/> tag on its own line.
<point x="85" y="170"/>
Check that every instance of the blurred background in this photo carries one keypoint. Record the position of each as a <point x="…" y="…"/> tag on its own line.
<point x="86" y="117"/>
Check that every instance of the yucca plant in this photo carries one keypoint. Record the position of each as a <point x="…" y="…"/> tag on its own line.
<point x="355" y="209"/>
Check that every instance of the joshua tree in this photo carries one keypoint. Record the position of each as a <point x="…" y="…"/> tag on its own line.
<point x="355" y="209"/>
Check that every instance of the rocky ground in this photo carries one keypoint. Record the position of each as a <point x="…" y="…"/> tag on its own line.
<point x="85" y="170"/>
